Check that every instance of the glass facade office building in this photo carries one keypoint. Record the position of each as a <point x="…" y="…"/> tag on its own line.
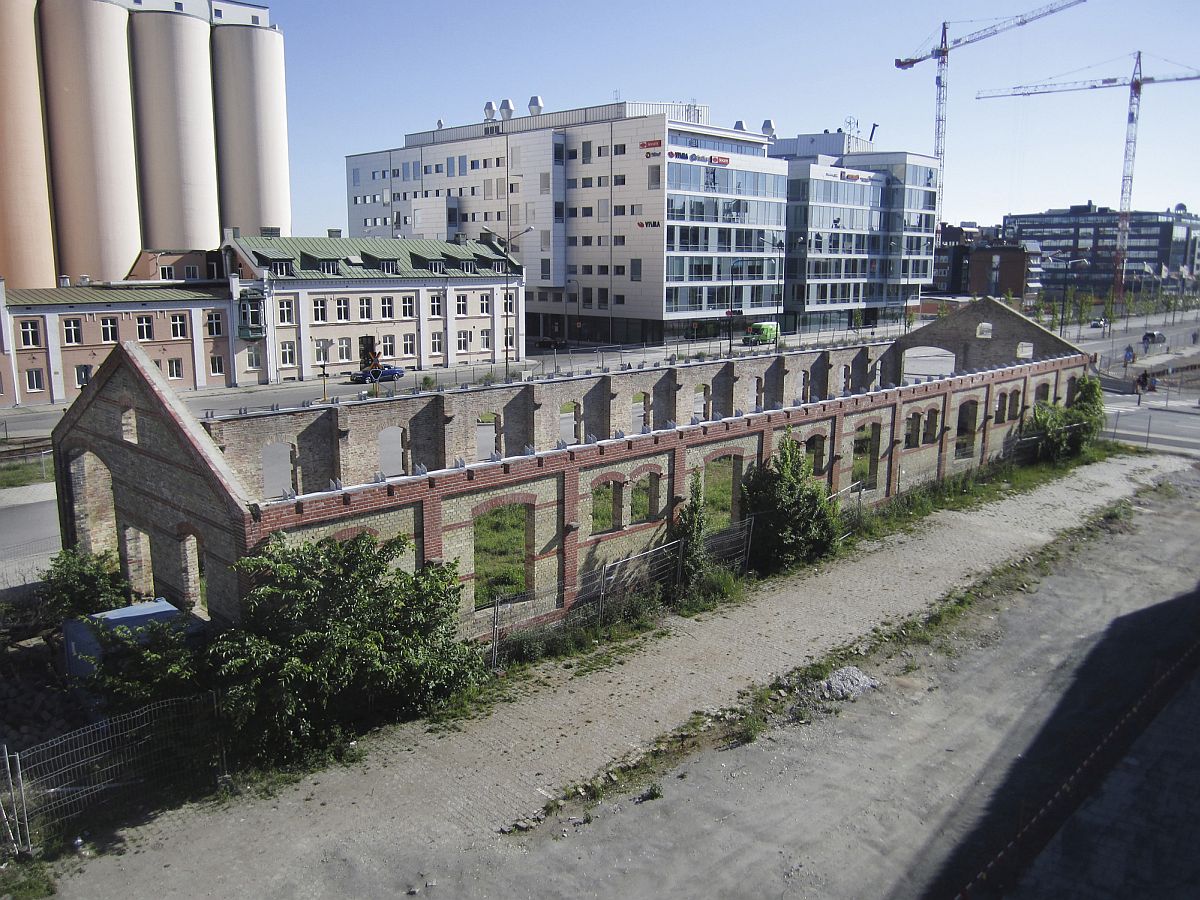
<point x="1164" y="247"/>
<point x="860" y="235"/>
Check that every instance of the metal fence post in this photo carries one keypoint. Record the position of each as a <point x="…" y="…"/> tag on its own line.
<point x="495" y="631"/>
<point x="15" y="840"/>
<point x="24" y="814"/>
<point x="746" y="546"/>
<point x="600" y="599"/>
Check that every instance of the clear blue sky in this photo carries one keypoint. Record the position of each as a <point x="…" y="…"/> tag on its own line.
<point x="362" y="73"/>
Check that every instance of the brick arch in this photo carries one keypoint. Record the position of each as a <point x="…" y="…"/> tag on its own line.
<point x="735" y="452"/>
<point x="520" y="498"/>
<point x="646" y="469"/>
<point x="615" y="477"/>
<point x="353" y="531"/>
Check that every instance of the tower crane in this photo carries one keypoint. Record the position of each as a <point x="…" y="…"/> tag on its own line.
<point x="942" y="54"/>
<point x="1135" y="83"/>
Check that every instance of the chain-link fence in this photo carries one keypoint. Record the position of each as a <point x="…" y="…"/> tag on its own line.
<point x="152" y="754"/>
<point x="636" y="589"/>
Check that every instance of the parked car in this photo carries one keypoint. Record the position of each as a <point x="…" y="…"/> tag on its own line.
<point x="1154" y="337"/>
<point x="1099" y="323"/>
<point x="383" y="373"/>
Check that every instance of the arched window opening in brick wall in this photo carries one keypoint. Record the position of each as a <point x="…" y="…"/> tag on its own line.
<point x="968" y="423"/>
<point x="723" y="490"/>
<point x="847" y="379"/>
<point x="912" y="431"/>
<point x="1072" y="386"/>
<point x="865" y="467"/>
<point x="1001" y="407"/>
<point x="394" y="452"/>
<point x="489" y="436"/>
<point x="760" y="394"/>
<point x="642" y="412"/>
<point x="1014" y="405"/>
<point x="702" y="405"/>
<point x="503" y="553"/>
<point x="805" y="387"/>
<point x="278" y="470"/>
<point x="93" y="505"/>
<point x="571" y="426"/>
<point x="814" y="449"/>
<point x="129" y="425"/>
<point x="931" y="434"/>
<point x="608" y="507"/>
<point x="645" y="501"/>
<point x="1042" y="393"/>
<point x="137" y="564"/>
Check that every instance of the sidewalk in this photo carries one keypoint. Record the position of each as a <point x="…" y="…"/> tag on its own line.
<point x="30" y="493"/>
<point x="424" y="802"/>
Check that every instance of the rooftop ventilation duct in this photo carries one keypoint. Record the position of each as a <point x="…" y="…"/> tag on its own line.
<point x="507" y="109"/>
<point x="489" y="110"/>
<point x="535" y="105"/>
<point x="768" y="127"/>
<point x="739" y="125"/>
<point x="441" y="124"/>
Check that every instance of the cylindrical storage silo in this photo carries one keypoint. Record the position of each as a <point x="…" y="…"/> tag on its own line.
<point x="176" y="138"/>
<point x="93" y="163"/>
<point x="252" y="145"/>
<point x="26" y="237"/>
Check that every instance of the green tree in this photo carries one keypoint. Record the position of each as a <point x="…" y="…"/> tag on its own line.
<point x="79" y="584"/>
<point x="332" y="632"/>
<point x="1110" y="307"/>
<point x="689" y="528"/>
<point x="795" y="519"/>
<point x="856" y="318"/>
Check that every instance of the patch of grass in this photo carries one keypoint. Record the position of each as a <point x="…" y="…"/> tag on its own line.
<point x="26" y="879"/>
<point x="718" y="492"/>
<point x="499" y="554"/>
<point x="21" y="474"/>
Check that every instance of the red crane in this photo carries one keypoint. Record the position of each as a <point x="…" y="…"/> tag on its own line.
<point x="1135" y="83"/>
<point x="942" y="54"/>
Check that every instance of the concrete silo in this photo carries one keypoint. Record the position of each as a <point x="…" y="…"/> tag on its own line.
<point x="93" y="164"/>
<point x="176" y="138"/>
<point x="252" y="144"/>
<point x="26" y="237"/>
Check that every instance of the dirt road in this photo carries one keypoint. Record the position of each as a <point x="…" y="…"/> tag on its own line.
<point x="873" y="802"/>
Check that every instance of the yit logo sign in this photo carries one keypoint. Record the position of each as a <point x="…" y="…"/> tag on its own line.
<point x="647" y="145"/>
<point x="649" y="224"/>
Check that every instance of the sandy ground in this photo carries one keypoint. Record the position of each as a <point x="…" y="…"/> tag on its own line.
<point x="875" y="802"/>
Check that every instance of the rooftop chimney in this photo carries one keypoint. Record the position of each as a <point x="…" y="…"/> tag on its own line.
<point x="334" y="232"/>
<point x="64" y="281"/>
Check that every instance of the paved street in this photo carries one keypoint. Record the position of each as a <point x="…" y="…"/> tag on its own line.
<point x="28" y="533"/>
<point x="1163" y="421"/>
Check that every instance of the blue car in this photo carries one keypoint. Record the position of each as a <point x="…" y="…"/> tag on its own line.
<point x="383" y="373"/>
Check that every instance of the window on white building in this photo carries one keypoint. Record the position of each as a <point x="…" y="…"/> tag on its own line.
<point x="387" y="308"/>
<point x="460" y="305"/>
<point x="343" y="349"/>
<point x="485" y="339"/>
<point x="287" y="311"/>
<point x="320" y="310"/>
<point x="410" y="345"/>
<point x="435" y="304"/>
<point x="364" y="309"/>
<point x="407" y="306"/>
<point x="343" y="309"/>
<point x="510" y="336"/>
<point x="389" y="346"/>
<point x="287" y="353"/>
<point x="282" y="268"/>
<point x="435" y="342"/>
<point x="253" y="357"/>
<point x="464" y="341"/>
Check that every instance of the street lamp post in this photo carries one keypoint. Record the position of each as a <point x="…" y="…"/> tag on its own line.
<point x="778" y="246"/>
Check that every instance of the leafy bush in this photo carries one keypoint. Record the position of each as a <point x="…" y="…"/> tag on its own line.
<point x="1064" y="431"/>
<point x="795" y="519"/>
<point x="331" y="635"/>
<point x="79" y="584"/>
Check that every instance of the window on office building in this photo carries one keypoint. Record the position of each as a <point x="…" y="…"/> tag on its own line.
<point x="635" y="270"/>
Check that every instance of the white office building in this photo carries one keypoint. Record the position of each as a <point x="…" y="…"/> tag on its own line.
<point x="861" y="227"/>
<point x="634" y="221"/>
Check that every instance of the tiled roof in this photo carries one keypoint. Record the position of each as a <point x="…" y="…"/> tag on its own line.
<point x="361" y="258"/>
<point x="96" y="294"/>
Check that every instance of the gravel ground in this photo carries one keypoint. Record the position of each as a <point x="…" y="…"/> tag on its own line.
<point x="427" y="807"/>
